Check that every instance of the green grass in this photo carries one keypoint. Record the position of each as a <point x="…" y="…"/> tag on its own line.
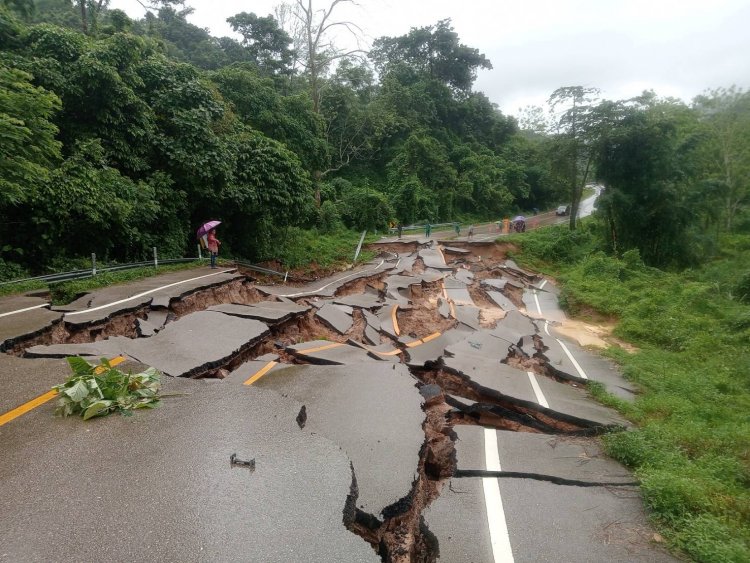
<point x="691" y="448"/>
<point x="309" y="250"/>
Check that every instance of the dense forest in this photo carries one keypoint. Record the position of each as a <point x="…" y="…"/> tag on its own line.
<point x="119" y="135"/>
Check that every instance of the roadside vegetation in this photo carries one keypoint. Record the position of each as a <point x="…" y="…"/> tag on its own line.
<point x="691" y="448"/>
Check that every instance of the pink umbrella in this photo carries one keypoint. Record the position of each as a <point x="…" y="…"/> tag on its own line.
<point x="206" y="227"/>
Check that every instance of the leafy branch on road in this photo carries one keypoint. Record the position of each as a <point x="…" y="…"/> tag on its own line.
<point x="100" y="390"/>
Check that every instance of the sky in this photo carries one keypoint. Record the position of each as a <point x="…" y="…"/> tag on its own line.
<point x="677" y="48"/>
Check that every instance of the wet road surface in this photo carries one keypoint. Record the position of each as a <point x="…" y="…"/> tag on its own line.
<point x="381" y="409"/>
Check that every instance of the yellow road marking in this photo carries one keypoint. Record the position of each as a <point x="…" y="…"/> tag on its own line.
<point x="26" y="407"/>
<point x="260" y="373"/>
<point x="113" y="362"/>
<point x="391" y="353"/>
<point x="421" y="341"/>
<point x="395" y="322"/>
<point x="48" y="396"/>
<point x="445" y="293"/>
<point x="326" y="347"/>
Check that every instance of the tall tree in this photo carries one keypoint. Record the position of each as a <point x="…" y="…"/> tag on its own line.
<point x="433" y="50"/>
<point x="267" y="44"/>
<point x="725" y="113"/>
<point x="318" y="49"/>
<point x="576" y="130"/>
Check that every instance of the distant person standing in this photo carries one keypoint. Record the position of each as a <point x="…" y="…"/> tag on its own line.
<point x="457" y="228"/>
<point x="471" y="232"/>
<point x="427" y="230"/>
<point x="400" y="229"/>
<point x="213" y="246"/>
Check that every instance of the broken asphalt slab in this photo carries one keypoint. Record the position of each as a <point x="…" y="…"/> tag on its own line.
<point x="335" y="318"/>
<point x="330" y="285"/>
<point x="327" y="352"/>
<point x="373" y="411"/>
<point x="272" y="312"/>
<point x="179" y="455"/>
<point x="157" y="291"/>
<point x="180" y="349"/>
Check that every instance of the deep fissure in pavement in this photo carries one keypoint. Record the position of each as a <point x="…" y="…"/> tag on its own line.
<point x="402" y="535"/>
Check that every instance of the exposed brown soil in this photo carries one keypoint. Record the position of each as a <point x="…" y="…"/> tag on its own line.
<point x="236" y="291"/>
<point x="421" y="321"/>
<point x="360" y="285"/>
<point x="394" y="246"/>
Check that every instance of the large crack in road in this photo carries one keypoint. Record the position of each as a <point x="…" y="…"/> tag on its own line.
<point x="446" y="332"/>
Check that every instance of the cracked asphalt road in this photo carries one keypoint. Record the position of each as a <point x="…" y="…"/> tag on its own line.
<point x="405" y="381"/>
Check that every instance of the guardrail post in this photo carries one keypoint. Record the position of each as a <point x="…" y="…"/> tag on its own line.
<point x="359" y="246"/>
<point x="93" y="264"/>
<point x="156" y="260"/>
<point x="200" y="257"/>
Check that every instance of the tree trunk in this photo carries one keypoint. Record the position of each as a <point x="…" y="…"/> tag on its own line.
<point x="84" y="18"/>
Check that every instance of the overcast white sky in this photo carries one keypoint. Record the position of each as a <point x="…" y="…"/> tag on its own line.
<point x="675" y="47"/>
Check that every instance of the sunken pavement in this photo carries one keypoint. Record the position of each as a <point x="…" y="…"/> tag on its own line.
<point x="389" y="412"/>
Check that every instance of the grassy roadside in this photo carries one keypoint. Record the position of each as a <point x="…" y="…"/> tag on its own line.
<point x="304" y="251"/>
<point x="691" y="450"/>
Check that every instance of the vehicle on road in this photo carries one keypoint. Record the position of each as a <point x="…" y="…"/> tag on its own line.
<point x="562" y="210"/>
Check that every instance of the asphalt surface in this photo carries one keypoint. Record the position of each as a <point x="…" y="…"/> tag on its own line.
<point x="333" y="427"/>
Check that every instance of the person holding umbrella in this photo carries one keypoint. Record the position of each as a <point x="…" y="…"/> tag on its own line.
<point x="212" y="243"/>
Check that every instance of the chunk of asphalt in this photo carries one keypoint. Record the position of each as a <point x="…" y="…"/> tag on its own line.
<point x="346" y="404"/>
<point x="457" y="291"/>
<point x="498" y="285"/>
<point x="24" y="326"/>
<point x="326" y="352"/>
<point x="158" y="317"/>
<point x="180" y="349"/>
<point x="183" y="349"/>
<point x="433" y="350"/>
<point x="503" y="302"/>
<point x="480" y="344"/>
<point x="513" y="327"/>
<point x="361" y="300"/>
<point x="444" y="308"/>
<point x="468" y="315"/>
<point x="386" y="316"/>
<point x="433" y="258"/>
<point x="113" y="346"/>
<point x="273" y="312"/>
<point x="328" y="287"/>
<point x="454" y="250"/>
<point x="595" y="367"/>
<point x="464" y="275"/>
<point x="371" y="335"/>
<point x="335" y="318"/>
<point x="145" y="329"/>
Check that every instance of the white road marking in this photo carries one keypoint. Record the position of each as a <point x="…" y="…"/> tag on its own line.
<point x="142" y="294"/>
<point x="536" y="300"/>
<point x="541" y="286"/>
<point x="24" y="310"/>
<point x="579" y="369"/>
<point x="333" y="282"/>
<point x="540" y="398"/>
<point x="546" y="327"/>
<point x="499" y="537"/>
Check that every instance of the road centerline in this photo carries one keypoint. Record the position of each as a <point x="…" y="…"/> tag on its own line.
<point x="499" y="536"/>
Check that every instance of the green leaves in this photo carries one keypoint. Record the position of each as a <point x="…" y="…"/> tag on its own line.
<point x="99" y="390"/>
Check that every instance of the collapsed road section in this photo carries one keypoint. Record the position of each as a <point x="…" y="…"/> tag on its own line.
<point x="406" y="402"/>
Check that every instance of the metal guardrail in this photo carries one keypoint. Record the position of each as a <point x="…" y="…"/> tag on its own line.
<point x="91" y="272"/>
<point x="261" y="269"/>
